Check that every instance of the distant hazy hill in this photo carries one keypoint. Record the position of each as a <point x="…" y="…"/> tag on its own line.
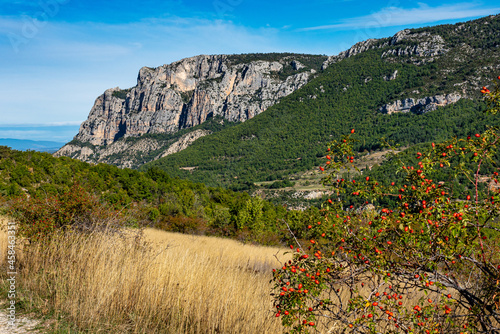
<point x="23" y="144"/>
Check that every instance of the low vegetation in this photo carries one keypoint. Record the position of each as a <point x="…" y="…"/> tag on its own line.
<point x="427" y="264"/>
<point x="65" y="192"/>
<point x="121" y="94"/>
<point x="163" y="282"/>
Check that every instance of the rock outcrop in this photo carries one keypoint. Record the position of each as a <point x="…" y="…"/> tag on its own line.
<point x="352" y="51"/>
<point x="183" y="142"/>
<point x="424" y="46"/>
<point x="181" y="95"/>
<point x="421" y="105"/>
<point x="188" y="92"/>
<point x="393" y="76"/>
<point x="130" y="153"/>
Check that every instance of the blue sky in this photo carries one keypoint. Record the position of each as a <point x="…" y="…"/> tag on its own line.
<point x="57" y="56"/>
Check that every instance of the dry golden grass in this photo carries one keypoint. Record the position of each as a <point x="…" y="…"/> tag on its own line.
<point x="172" y="284"/>
<point x="3" y="240"/>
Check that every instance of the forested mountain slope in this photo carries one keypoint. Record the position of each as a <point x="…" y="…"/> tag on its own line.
<point x="420" y="85"/>
<point x="168" y="108"/>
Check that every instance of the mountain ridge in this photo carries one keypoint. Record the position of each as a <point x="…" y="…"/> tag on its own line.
<point x="412" y="66"/>
<point x="188" y="92"/>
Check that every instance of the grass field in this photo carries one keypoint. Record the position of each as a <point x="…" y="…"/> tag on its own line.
<point x="164" y="283"/>
<point x="156" y="282"/>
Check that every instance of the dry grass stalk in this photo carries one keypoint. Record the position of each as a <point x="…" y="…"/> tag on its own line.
<point x="172" y="283"/>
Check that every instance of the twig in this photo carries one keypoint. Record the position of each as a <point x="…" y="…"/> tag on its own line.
<point x="293" y="235"/>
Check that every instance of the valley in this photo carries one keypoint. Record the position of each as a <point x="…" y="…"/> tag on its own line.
<point x="272" y="192"/>
<point x="415" y="87"/>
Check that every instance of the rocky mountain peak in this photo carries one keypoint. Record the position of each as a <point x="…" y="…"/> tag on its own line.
<point x="186" y="92"/>
<point x="404" y="43"/>
<point x="429" y="68"/>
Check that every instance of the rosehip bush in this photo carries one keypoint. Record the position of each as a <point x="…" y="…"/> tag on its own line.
<point x="430" y="264"/>
<point x="40" y="216"/>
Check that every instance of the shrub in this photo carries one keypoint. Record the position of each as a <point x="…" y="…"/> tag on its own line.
<point x="183" y="224"/>
<point x="430" y="264"/>
<point x="121" y="94"/>
<point x="40" y="216"/>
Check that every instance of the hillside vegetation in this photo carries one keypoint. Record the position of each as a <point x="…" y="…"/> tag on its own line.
<point x="166" y="283"/>
<point x="289" y="137"/>
<point x="62" y="188"/>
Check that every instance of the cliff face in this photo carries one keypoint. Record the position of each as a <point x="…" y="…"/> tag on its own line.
<point x="131" y="127"/>
<point x="131" y="153"/>
<point x="420" y="106"/>
<point x="422" y="46"/>
<point x="185" y="93"/>
<point x="182" y="95"/>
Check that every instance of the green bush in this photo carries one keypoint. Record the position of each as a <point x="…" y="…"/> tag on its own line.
<point x="429" y="264"/>
<point x="39" y="217"/>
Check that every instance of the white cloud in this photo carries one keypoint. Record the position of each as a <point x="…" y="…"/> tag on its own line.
<point x="39" y="132"/>
<point x="395" y="16"/>
<point x="50" y="124"/>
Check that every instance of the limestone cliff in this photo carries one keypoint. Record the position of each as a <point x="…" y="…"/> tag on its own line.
<point x="421" y="46"/>
<point x="420" y="105"/>
<point x="187" y="92"/>
<point x="182" y="95"/>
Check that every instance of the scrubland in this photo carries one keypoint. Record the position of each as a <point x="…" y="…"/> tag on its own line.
<point x="148" y="282"/>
